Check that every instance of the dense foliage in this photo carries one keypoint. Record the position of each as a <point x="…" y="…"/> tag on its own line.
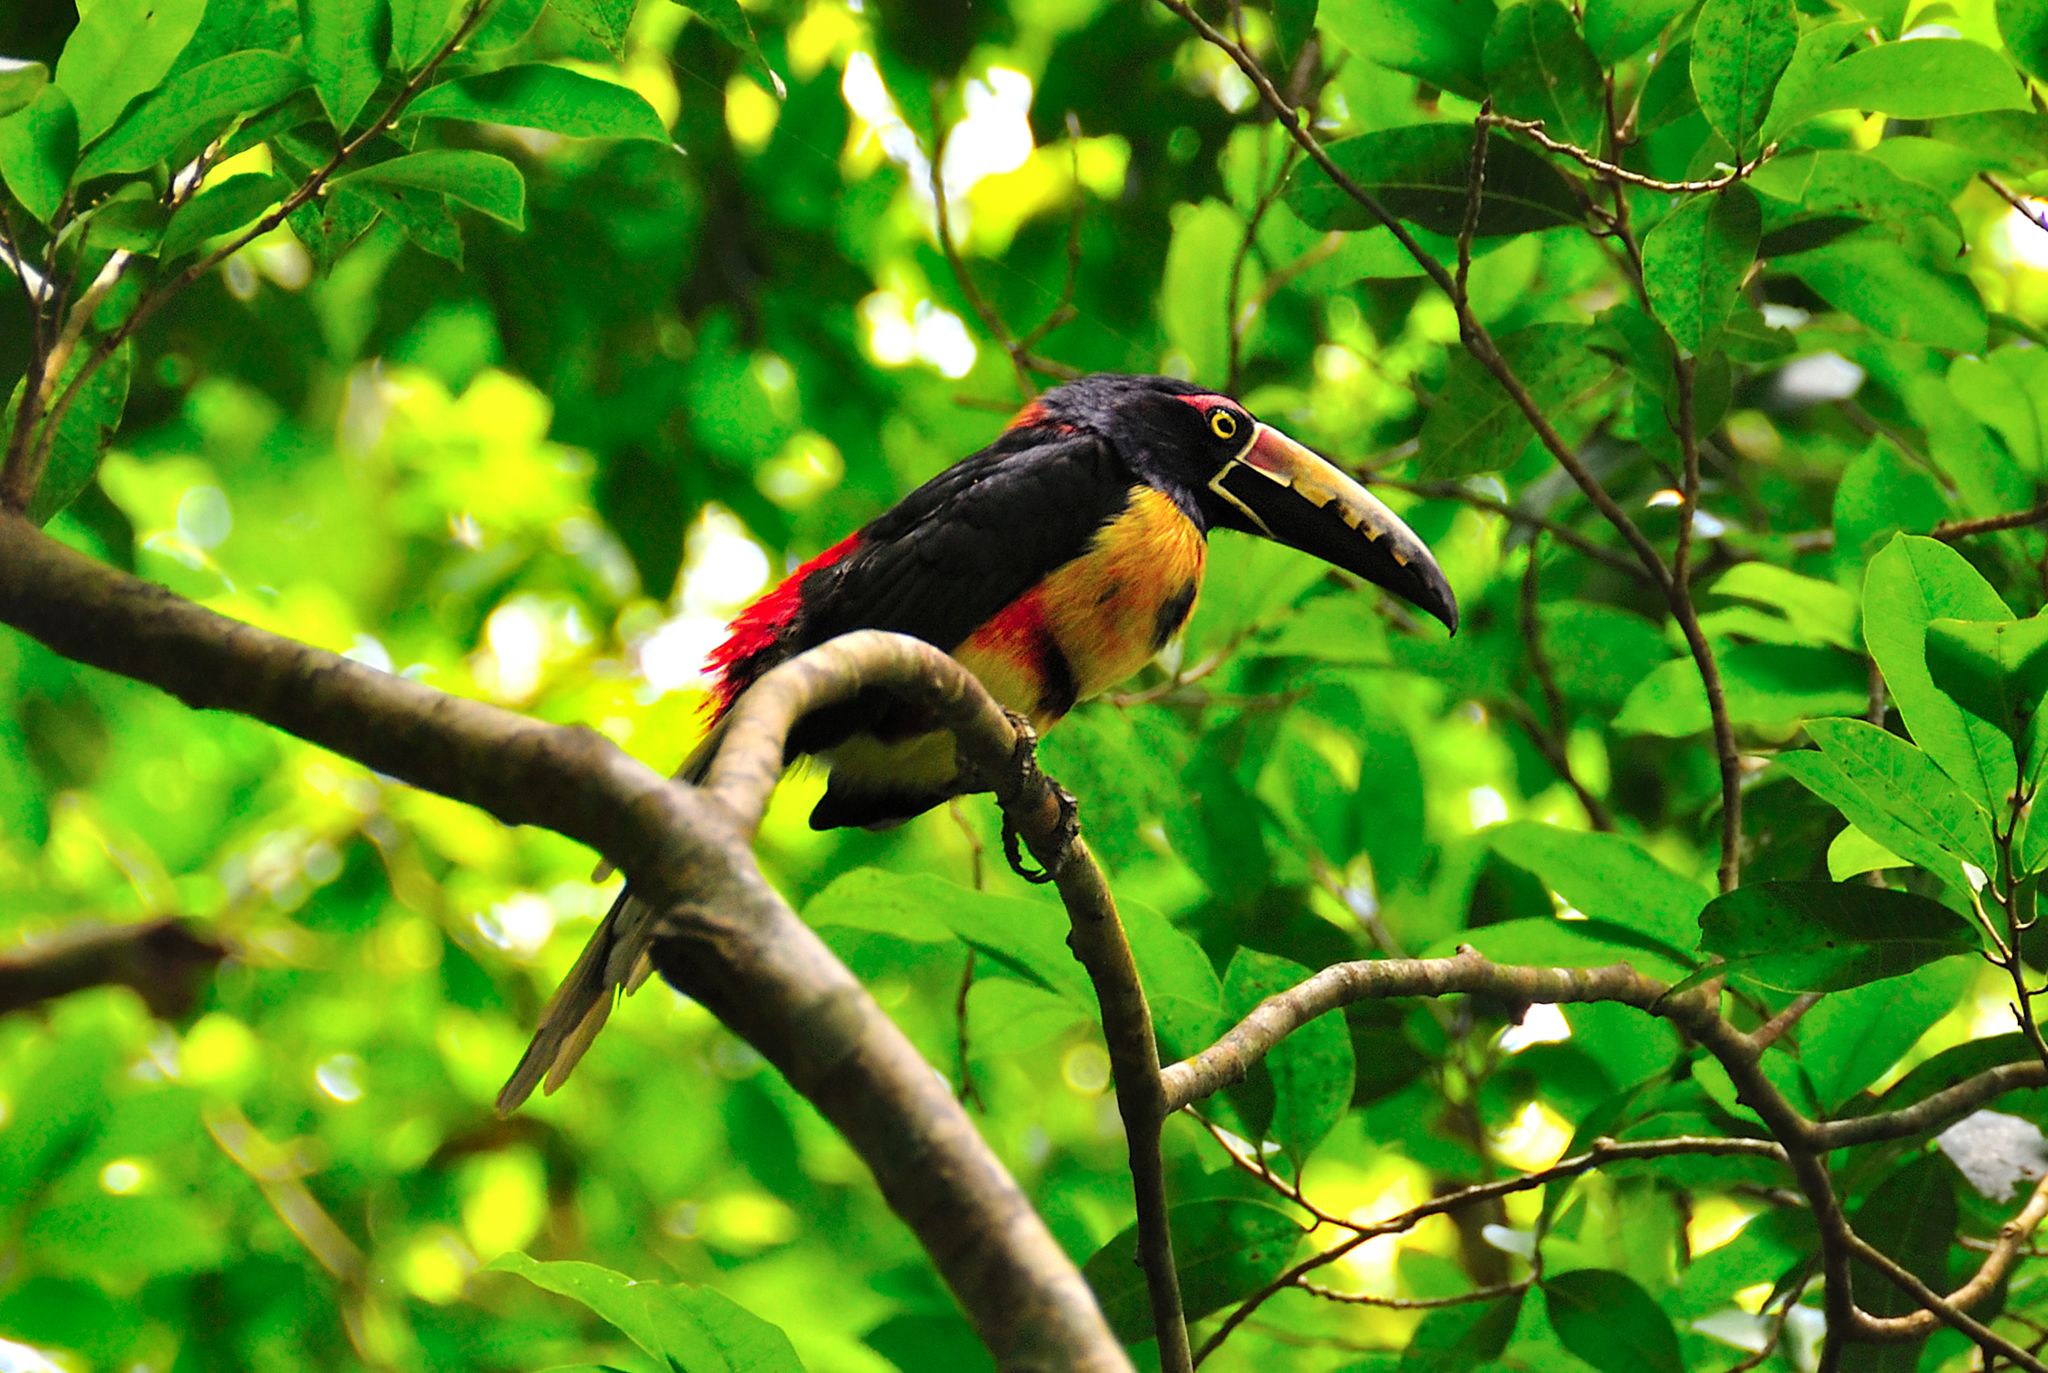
<point x="598" y="316"/>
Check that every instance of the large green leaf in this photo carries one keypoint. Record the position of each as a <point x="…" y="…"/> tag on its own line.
<point x="1911" y="582"/>
<point x="1911" y="1217"/>
<point x="1739" y="50"/>
<point x="38" y="150"/>
<point x="1606" y="876"/>
<point x="1441" y="41"/>
<point x="1538" y="67"/>
<point x="1421" y="174"/>
<point x="2024" y="25"/>
<point x="1311" y="1070"/>
<point x="1475" y="426"/>
<point x="1898" y="294"/>
<point x="608" y="21"/>
<point x="1771" y="686"/>
<point x="20" y="82"/>
<point x="418" y="29"/>
<point x="1223" y="1248"/>
<point x="191" y="107"/>
<point x="481" y="181"/>
<point x="2007" y="390"/>
<point x="1999" y="673"/>
<point x="537" y="96"/>
<point x="82" y="434"/>
<point x="1607" y="1319"/>
<point x="1194" y="296"/>
<point x="345" y="42"/>
<point x="1925" y="78"/>
<point x="1893" y="792"/>
<point x="1827" y="936"/>
<point x="222" y="208"/>
<point x="120" y="49"/>
<point x="1694" y="262"/>
<point x="1616" y="29"/>
<point x="732" y="25"/>
<point x="1179" y="981"/>
<point x="679" y="1326"/>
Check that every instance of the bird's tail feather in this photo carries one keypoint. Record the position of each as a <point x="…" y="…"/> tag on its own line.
<point x="615" y="962"/>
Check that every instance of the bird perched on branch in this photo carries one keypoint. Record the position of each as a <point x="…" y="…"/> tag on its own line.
<point x="1052" y="564"/>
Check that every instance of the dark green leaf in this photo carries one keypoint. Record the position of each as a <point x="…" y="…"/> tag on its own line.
<point x="1827" y="936"/>
<point x="191" y="107"/>
<point x="1606" y="876"/>
<point x="1739" y="50"/>
<point x="678" y="1325"/>
<point x="1179" y="980"/>
<point x="1695" y="260"/>
<point x="1852" y="1038"/>
<point x="1223" y="1248"/>
<point x="1441" y="41"/>
<point x="20" y="82"/>
<point x="538" y="96"/>
<point x="345" y="42"/>
<point x="732" y="25"/>
<point x="83" y="433"/>
<point x="1997" y="671"/>
<point x="1420" y="173"/>
<point x="1912" y="1218"/>
<point x="481" y="181"/>
<point x="1894" y="793"/>
<point x="608" y="21"/>
<point x="1911" y="582"/>
<point x="1293" y="22"/>
<point x="418" y="28"/>
<point x="1538" y="67"/>
<point x="424" y="215"/>
<point x="38" y="149"/>
<point x="1607" y="1319"/>
<point x="1925" y="78"/>
<point x="1616" y="29"/>
<point x="330" y="224"/>
<point x="1475" y="426"/>
<point x="120" y="49"/>
<point x="222" y="207"/>
<point x="1311" y="1070"/>
<point x="2024" y="25"/>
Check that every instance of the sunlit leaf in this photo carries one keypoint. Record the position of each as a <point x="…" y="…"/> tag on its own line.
<point x="675" y="1323"/>
<point x="1695" y="260"/>
<point x="190" y="107"/>
<point x="38" y="150"/>
<point x="1422" y="174"/>
<point x="1438" y="40"/>
<point x="1538" y="67"/>
<point x="481" y="181"/>
<point x="120" y="49"/>
<point x="537" y="96"/>
<point x="83" y="432"/>
<point x="1739" y="50"/>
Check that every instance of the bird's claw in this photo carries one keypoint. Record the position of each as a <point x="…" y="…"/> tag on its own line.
<point x="1065" y="830"/>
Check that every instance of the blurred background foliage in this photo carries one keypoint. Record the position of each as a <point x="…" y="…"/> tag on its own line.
<point x="542" y="466"/>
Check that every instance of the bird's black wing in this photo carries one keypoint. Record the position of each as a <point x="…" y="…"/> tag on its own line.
<point x="968" y="542"/>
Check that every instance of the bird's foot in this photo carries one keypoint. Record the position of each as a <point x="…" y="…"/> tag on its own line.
<point x="1065" y="830"/>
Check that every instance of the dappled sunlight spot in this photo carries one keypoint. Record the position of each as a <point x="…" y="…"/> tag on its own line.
<point x="203" y="517"/>
<point x="504" y="1201"/>
<point x="218" y="1051"/>
<point x="723" y="568"/>
<point x="750" y="114"/>
<point x="1085" y="1069"/>
<point x="672" y="657"/>
<point x="877" y="121"/>
<point x="746" y="1221"/>
<point x="521" y="924"/>
<point x="2021" y="241"/>
<point x="436" y="1265"/>
<point x="339" y="1076"/>
<point x="123" y="1177"/>
<point x="1536" y="1138"/>
<point x="16" y="1357"/>
<point x="994" y="136"/>
<point x="1542" y="1023"/>
<point x="1715" y="1221"/>
<point x="808" y="466"/>
<point x="410" y="945"/>
<point x="890" y="336"/>
<point x="1374" y="1196"/>
<point x="1486" y="806"/>
<point x="943" y="341"/>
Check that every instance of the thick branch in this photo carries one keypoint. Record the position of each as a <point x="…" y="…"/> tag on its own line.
<point x="162" y="961"/>
<point x="744" y="952"/>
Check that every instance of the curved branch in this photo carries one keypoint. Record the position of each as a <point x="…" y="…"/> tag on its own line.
<point x="740" y="947"/>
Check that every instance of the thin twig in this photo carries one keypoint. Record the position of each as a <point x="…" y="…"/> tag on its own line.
<point x="1479" y="500"/>
<point x="1614" y="172"/>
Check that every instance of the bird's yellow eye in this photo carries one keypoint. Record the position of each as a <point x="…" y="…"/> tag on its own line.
<point x="1223" y="424"/>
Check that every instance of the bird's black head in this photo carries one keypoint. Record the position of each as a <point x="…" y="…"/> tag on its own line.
<point x="1228" y="470"/>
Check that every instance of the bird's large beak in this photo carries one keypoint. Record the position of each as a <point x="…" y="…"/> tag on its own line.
<point x="1298" y="497"/>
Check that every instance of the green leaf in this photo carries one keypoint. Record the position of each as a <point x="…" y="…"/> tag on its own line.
<point x="679" y="1326"/>
<point x="1769" y="685"/>
<point x="1911" y="1217"/>
<point x="1293" y="22"/>
<point x="1420" y="173"/>
<point x="20" y="82"/>
<point x="1441" y="41"/>
<point x="1599" y="653"/>
<point x="1834" y="183"/>
<point x="1922" y="78"/>
<point x="1912" y="582"/>
<point x="479" y="180"/>
<point x="1194" y="295"/>
<point x="608" y="21"/>
<point x="1853" y="853"/>
<point x="38" y="149"/>
<point x="732" y="25"/>
<point x="1998" y="672"/>
<point x="221" y="208"/>
<point x="1852" y="1038"/>
<point x="1223" y="1248"/>
<point x="1880" y="494"/>
<point x="1474" y="426"/>
<point x="1606" y="876"/>
<point x="1817" y="611"/>
<point x="1616" y="29"/>
<point x="1312" y="1070"/>
<point x="1895" y="793"/>
<point x="330" y="224"/>
<point x="1538" y="67"/>
<point x="345" y="41"/>
<point x="1818" y="48"/>
<point x="1739" y="50"/>
<point x="1695" y="260"/>
<point x="418" y="28"/>
<point x="424" y="215"/>
<point x="83" y="434"/>
<point x="191" y="107"/>
<point x="2024" y="26"/>
<point x="1607" y="1319"/>
<point x="1026" y="937"/>
<point x="537" y="96"/>
<point x="1897" y="294"/>
<point x="2006" y="390"/>
<point x="1179" y="980"/>
<point x="120" y="49"/>
<point x="1828" y="936"/>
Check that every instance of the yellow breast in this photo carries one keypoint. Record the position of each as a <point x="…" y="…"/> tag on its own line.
<point x="1111" y="609"/>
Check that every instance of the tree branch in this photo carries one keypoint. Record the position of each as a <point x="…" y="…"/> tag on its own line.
<point x="733" y="942"/>
<point x="162" y="961"/>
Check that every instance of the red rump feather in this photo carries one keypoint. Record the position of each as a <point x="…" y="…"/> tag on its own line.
<point x="754" y="630"/>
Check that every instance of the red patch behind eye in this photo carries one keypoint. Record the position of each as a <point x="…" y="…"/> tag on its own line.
<point x="753" y="631"/>
<point x="1207" y="401"/>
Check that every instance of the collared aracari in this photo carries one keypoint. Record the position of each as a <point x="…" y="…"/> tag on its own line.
<point x="1052" y="564"/>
